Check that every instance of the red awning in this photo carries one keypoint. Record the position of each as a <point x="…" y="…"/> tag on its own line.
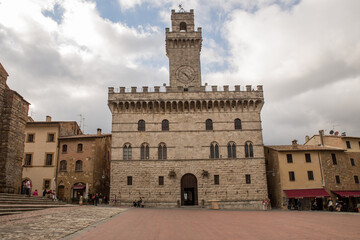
<point x="79" y="187"/>
<point x="347" y="193"/>
<point x="306" y="193"/>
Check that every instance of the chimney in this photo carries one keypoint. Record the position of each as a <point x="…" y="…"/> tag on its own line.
<point x="48" y="118"/>
<point x="307" y="138"/>
<point x="321" y="134"/>
<point x="294" y="143"/>
<point x="99" y="131"/>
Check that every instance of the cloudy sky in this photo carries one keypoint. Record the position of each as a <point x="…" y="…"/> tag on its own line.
<point x="62" y="55"/>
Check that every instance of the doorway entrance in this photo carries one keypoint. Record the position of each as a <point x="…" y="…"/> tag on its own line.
<point x="189" y="194"/>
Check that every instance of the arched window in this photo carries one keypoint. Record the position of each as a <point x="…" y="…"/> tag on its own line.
<point x="64" y="148"/>
<point x="127" y="152"/>
<point x="78" y="166"/>
<point x="165" y="125"/>
<point x="80" y="147"/>
<point x="144" y="151"/>
<point x="141" y="125"/>
<point x="231" y="149"/>
<point x="162" y="151"/>
<point x="249" y="153"/>
<point x="237" y="123"/>
<point x="63" y="165"/>
<point x="183" y="27"/>
<point x="214" y="150"/>
<point x="209" y="124"/>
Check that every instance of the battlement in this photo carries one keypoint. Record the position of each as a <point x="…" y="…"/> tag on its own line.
<point x="180" y="89"/>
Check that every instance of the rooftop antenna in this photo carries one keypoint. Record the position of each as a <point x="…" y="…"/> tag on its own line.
<point x="181" y="9"/>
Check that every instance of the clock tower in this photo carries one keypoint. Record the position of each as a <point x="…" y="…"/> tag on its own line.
<point x="183" y="46"/>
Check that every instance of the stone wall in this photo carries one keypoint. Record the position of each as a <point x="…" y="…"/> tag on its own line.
<point x="13" y="112"/>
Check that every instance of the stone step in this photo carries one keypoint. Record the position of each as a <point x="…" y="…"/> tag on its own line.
<point x="9" y="213"/>
<point x="31" y="202"/>
<point x="11" y="206"/>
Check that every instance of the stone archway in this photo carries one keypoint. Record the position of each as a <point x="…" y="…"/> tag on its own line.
<point x="189" y="190"/>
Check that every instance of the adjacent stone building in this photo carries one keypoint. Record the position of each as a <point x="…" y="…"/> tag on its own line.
<point x="13" y="114"/>
<point x="341" y="175"/>
<point x="298" y="173"/>
<point x="187" y="144"/>
<point x="84" y="166"/>
<point x="42" y="151"/>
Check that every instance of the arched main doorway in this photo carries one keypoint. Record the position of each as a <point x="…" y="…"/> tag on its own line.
<point x="189" y="193"/>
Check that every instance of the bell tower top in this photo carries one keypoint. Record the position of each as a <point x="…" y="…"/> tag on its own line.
<point x="182" y="21"/>
<point x="183" y="46"/>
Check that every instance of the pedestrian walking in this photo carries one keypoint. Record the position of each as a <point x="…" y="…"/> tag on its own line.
<point x="299" y="205"/>
<point x="28" y="186"/>
<point x="267" y="203"/>
<point x="264" y="204"/>
<point x="96" y="199"/>
<point x="330" y="206"/>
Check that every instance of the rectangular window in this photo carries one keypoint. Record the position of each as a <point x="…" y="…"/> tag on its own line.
<point x="28" y="158"/>
<point x="337" y="178"/>
<point x="310" y="175"/>
<point x="51" y="137"/>
<point x="30" y="137"/>
<point x="248" y="179"/>
<point x="348" y="145"/>
<point x="129" y="180"/>
<point x="64" y="148"/>
<point x="49" y="158"/>
<point x="333" y="156"/>
<point x="289" y="158"/>
<point x="352" y="161"/>
<point x="307" y="157"/>
<point x="80" y="147"/>
<point x="46" y="183"/>
<point x="161" y="180"/>
<point x="216" y="180"/>
<point x="292" y="176"/>
<point x="356" y="179"/>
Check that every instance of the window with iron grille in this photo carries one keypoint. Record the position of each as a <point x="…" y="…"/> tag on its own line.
<point x="356" y="179"/>
<point x="51" y="137"/>
<point x="216" y="179"/>
<point x="292" y="176"/>
<point x="78" y="166"/>
<point x="28" y="158"/>
<point x="289" y="158"/>
<point x="64" y="148"/>
<point x="30" y="137"/>
<point x="209" y="124"/>
<point x="237" y="123"/>
<point x="129" y="180"/>
<point x="141" y="125"/>
<point x="63" y="166"/>
<point x="162" y="151"/>
<point x="127" y="152"/>
<point x="165" y="125"/>
<point x="249" y="153"/>
<point x="144" y="151"/>
<point x="333" y="156"/>
<point x="231" y="149"/>
<point x="161" y="180"/>
<point x="337" y="179"/>
<point x="214" y="150"/>
<point x="248" y="178"/>
<point x="49" y="158"/>
<point x="310" y="175"/>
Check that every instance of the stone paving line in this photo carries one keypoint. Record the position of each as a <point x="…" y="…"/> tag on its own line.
<point x="54" y="223"/>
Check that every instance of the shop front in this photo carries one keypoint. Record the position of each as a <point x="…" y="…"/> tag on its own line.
<point x="347" y="201"/>
<point x="307" y="199"/>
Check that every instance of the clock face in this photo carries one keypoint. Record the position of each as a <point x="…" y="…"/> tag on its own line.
<point x="185" y="74"/>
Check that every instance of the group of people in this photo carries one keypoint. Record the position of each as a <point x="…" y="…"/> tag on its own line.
<point x="266" y="203"/>
<point x="138" y="203"/>
<point x="99" y="199"/>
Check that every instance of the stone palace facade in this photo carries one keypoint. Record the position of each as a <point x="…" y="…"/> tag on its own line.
<point x="187" y="144"/>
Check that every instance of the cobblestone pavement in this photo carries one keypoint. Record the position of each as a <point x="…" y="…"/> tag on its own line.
<point x="54" y="223"/>
<point x="187" y="224"/>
